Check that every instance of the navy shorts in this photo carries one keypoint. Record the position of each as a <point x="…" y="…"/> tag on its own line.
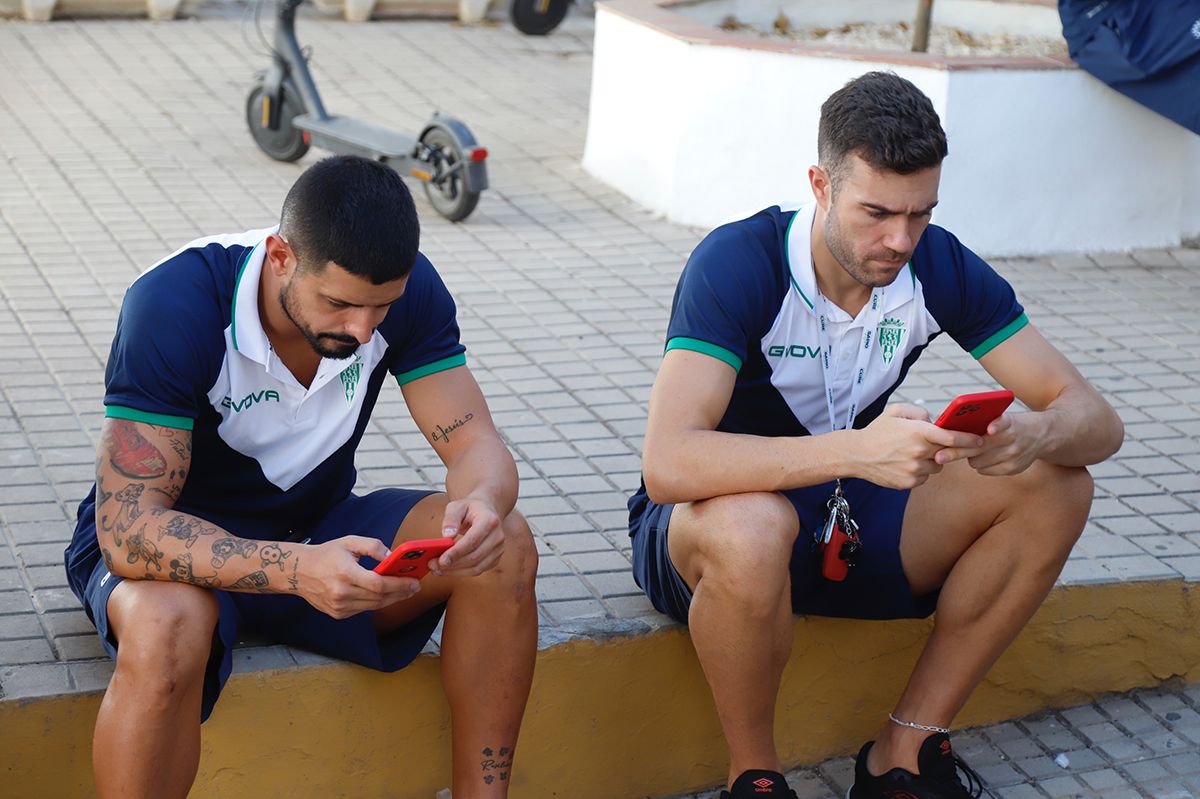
<point x="289" y="619"/>
<point x="876" y="587"/>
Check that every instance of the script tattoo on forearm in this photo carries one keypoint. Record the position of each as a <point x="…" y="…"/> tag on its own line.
<point x="443" y="433"/>
<point x="495" y="764"/>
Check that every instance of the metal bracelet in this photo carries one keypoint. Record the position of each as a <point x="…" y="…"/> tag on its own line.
<point x="915" y="726"/>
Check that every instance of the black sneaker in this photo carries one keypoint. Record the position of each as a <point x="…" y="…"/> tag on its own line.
<point x="759" y="784"/>
<point x="938" y="778"/>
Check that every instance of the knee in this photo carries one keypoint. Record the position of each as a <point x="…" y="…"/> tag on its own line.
<point x="165" y="639"/>
<point x="520" y="560"/>
<point x="1061" y="497"/>
<point x="746" y="541"/>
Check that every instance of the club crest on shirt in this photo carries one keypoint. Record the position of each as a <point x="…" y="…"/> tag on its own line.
<point x="891" y="333"/>
<point x="350" y="376"/>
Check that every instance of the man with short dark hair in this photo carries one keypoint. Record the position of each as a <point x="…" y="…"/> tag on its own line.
<point x="770" y="434"/>
<point x="242" y="376"/>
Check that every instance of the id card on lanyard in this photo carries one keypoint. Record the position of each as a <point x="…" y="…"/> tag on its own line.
<point x="838" y="539"/>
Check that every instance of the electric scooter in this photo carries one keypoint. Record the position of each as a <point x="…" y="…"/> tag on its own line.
<point x="286" y="117"/>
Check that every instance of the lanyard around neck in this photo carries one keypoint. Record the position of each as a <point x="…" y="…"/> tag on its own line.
<point x="870" y="323"/>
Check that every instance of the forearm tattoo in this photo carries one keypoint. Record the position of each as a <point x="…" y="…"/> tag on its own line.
<point x="496" y="764"/>
<point x="133" y="474"/>
<point x="443" y="433"/>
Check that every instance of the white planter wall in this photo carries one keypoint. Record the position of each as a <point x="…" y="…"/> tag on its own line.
<point x="1041" y="160"/>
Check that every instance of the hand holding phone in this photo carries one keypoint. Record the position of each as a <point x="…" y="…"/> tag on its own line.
<point x="972" y="413"/>
<point x="412" y="558"/>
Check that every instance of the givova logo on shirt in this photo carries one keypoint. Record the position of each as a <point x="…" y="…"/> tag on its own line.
<point x="891" y="333"/>
<point x="792" y="351"/>
<point x="249" y="400"/>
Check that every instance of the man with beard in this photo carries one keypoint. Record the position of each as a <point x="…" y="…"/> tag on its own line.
<point x="242" y="376"/>
<point x="788" y="333"/>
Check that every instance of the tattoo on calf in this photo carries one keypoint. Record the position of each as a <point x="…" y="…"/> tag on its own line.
<point x="132" y="455"/>
<point x="496" y="764"/>
<point x="225" y="548"/>
<point x="443" y="433"/>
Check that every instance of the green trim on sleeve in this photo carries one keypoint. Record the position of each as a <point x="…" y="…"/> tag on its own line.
<point x="160" y="419"/>
<point x="432" y="368"/>
<point x="999" y="337"/>
<point x="706" y="348"/>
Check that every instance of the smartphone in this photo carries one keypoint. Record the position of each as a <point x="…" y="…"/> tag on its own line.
<point x="412" y="558"/>
<point x="972" y="413"/>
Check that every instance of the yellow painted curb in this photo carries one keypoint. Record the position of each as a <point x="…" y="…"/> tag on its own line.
<point x="616" y="719"/>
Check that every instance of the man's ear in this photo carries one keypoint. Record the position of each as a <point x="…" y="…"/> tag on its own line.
<point x="822" y="186"/>
<point x="280" y="258"/>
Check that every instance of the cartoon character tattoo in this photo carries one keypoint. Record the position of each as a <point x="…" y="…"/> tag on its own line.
<point x="181" y="571"/>
<point x="186" y="530"/>
<point x="141" y="549"/>
<point x="226" y="548"/>
<point x="129" y="511"/>
<point x="273" y="555"/>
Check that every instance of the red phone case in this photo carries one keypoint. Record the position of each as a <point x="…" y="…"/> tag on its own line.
<point x="412" y="558"/>
<point x="972" y="413"/>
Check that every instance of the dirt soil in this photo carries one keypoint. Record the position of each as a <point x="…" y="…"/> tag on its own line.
<point x="943" y="40"/>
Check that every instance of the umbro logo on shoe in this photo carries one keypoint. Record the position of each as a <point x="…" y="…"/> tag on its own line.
<point x="763" y="785"/>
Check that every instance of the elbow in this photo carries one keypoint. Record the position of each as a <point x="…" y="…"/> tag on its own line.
<point x="661" y="485"/>
<point x="1116" y="433"/>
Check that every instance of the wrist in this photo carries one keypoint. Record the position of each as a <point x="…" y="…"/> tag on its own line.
<point x="845" y="453"/>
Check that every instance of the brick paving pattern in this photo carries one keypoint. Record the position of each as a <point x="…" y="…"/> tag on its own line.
<point x="122" y="140"/>
<point x="1144" y="744"/>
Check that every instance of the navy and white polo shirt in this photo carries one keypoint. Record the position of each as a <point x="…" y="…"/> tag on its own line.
<point x="268" y="454"/>
<point x="747" y="294"/>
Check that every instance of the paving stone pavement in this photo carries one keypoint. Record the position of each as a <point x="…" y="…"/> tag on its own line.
<point x="122" y="140"/>
<point x="1142" y="744"/>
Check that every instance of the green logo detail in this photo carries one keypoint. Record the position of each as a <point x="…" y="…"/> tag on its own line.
<point x="891" y="332"/>
<point x="250" y="399"/>
<point x="350" y="376"/>
<point x="792" y="351"/>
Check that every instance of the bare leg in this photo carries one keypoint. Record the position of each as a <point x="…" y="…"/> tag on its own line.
<point x="147" y="738"/>
<point x="489" y="643"/>
<point x="734" y="551"/>
<point x="995" y="545"/>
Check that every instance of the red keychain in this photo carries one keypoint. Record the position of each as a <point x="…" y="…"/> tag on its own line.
<point x="838" y="539"/>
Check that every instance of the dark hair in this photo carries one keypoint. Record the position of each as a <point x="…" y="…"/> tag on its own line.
<point x="355" y="212"/>
<point x="883" y="119"/>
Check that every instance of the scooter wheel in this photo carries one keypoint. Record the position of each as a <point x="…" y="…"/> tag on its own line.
<point x="450" y="197"/>
<point x="285" y="144"/>
<point x="537" y="17"/>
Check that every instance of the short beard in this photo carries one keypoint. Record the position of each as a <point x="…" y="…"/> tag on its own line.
<point x="344" y="349"/>
<point x="843" y="253"/>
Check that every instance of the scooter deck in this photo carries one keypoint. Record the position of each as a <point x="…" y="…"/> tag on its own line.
<point x="356" y="137"/>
